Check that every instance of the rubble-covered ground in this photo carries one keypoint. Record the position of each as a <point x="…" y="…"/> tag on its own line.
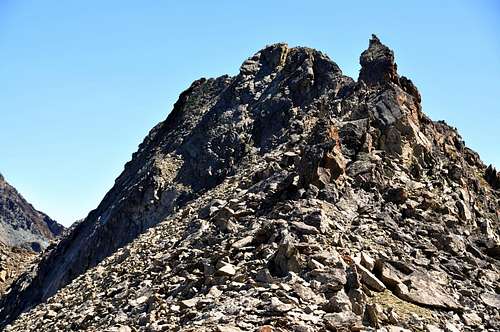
<point x="13" y="262"/>
<point x="340" y="207"/>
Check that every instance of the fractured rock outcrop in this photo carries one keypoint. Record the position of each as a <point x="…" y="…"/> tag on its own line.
<point x="287" y="198"/>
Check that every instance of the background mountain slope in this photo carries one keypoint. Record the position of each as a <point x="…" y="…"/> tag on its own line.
<point x="20" y="224"/>
<point x="23" y="231"/>
<point x="290" y="195"/>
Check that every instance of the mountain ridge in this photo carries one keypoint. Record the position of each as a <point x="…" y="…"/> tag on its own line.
<point x="288" y="158"/>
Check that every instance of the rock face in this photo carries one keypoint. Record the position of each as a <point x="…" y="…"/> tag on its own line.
<point x="287" y="198"/>
<point x="20" y="224"/>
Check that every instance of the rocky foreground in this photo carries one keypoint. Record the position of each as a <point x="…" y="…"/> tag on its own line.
<point x="13" y="262"/>
<point x="287" y="198"/>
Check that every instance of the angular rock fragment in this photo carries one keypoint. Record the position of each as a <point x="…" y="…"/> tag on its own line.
<point x="367" y="261"/>
<point x="226" y="270"/>
<point x="421" y="289"/>
<point x="339" y="302"/>
<point x="492" y="300"/>
<point x="342" y="321"/>
<point x="369" y="279"/>
<point x="189" y="303"/>
<point x="330" y="279"/>
<point x="247" y="240"/>
<point x="304" y="228"/>
<point x="264" y="275"/>
<point x="285" y="260"/>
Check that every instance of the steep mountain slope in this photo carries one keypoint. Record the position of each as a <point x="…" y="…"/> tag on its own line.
<point x="199" y="144"/>
<point x="291" y="196"/>
<point x="20" y="224"/>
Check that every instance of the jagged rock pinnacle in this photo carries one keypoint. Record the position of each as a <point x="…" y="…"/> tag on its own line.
<point x="377" y="64"/>
<point x="492" y="177"/>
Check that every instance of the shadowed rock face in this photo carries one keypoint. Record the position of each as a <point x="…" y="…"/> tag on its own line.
<point x="377" y="64"/>
<point x="20" y="224"/>
<point x="290" y="176"/>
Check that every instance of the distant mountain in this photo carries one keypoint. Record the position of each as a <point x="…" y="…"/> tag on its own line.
<point x="21" y="225"/>
<point x="289" y="197"/>
<point x="24" y="231"/>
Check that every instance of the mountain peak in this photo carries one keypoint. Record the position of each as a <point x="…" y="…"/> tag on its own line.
<point x="288" y="195"/>
<point x="377" y="64"/>
<point x="266" y="60"/>
<point x="374" y="40"/>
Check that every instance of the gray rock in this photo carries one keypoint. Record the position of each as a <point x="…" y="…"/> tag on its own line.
<point x="304" y="228"/>
<point x="369" y="279"/>
<point x="226" y="270"/>
<point x="389" y="275"/>
<point x="432" y="328"/>
<point x="339" y="302"/>
<point x="341" y="321"/>
<point x="490" y="299"/>
<point x="331" y="279"/>
<point x="367" y="261"/>
<point x="264" y="275"/>
<point x="247" y="240"/>
<point x="277" y="305"/>
<point x="285" y="260"/>
<point x="421" y="289"/>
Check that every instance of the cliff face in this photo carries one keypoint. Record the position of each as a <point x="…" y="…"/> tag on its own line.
<point x="20" y="224"/>
<point x="289" y="195"/>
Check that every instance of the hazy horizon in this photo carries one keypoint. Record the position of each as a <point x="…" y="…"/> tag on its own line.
<point x="82" y="85"/>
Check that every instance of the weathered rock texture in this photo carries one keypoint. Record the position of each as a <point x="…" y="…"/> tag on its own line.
<point x="289" y="198"/>
<point x="13" y="262"/>
<point x="20" y="224"/>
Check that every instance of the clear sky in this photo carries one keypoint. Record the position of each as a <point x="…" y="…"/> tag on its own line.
<point x="82" y="82"/>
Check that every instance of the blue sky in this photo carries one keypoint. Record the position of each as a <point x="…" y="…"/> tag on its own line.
<point x="82" y="82"/>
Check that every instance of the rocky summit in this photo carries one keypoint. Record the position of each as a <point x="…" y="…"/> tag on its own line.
<point x="289" y="197"/>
